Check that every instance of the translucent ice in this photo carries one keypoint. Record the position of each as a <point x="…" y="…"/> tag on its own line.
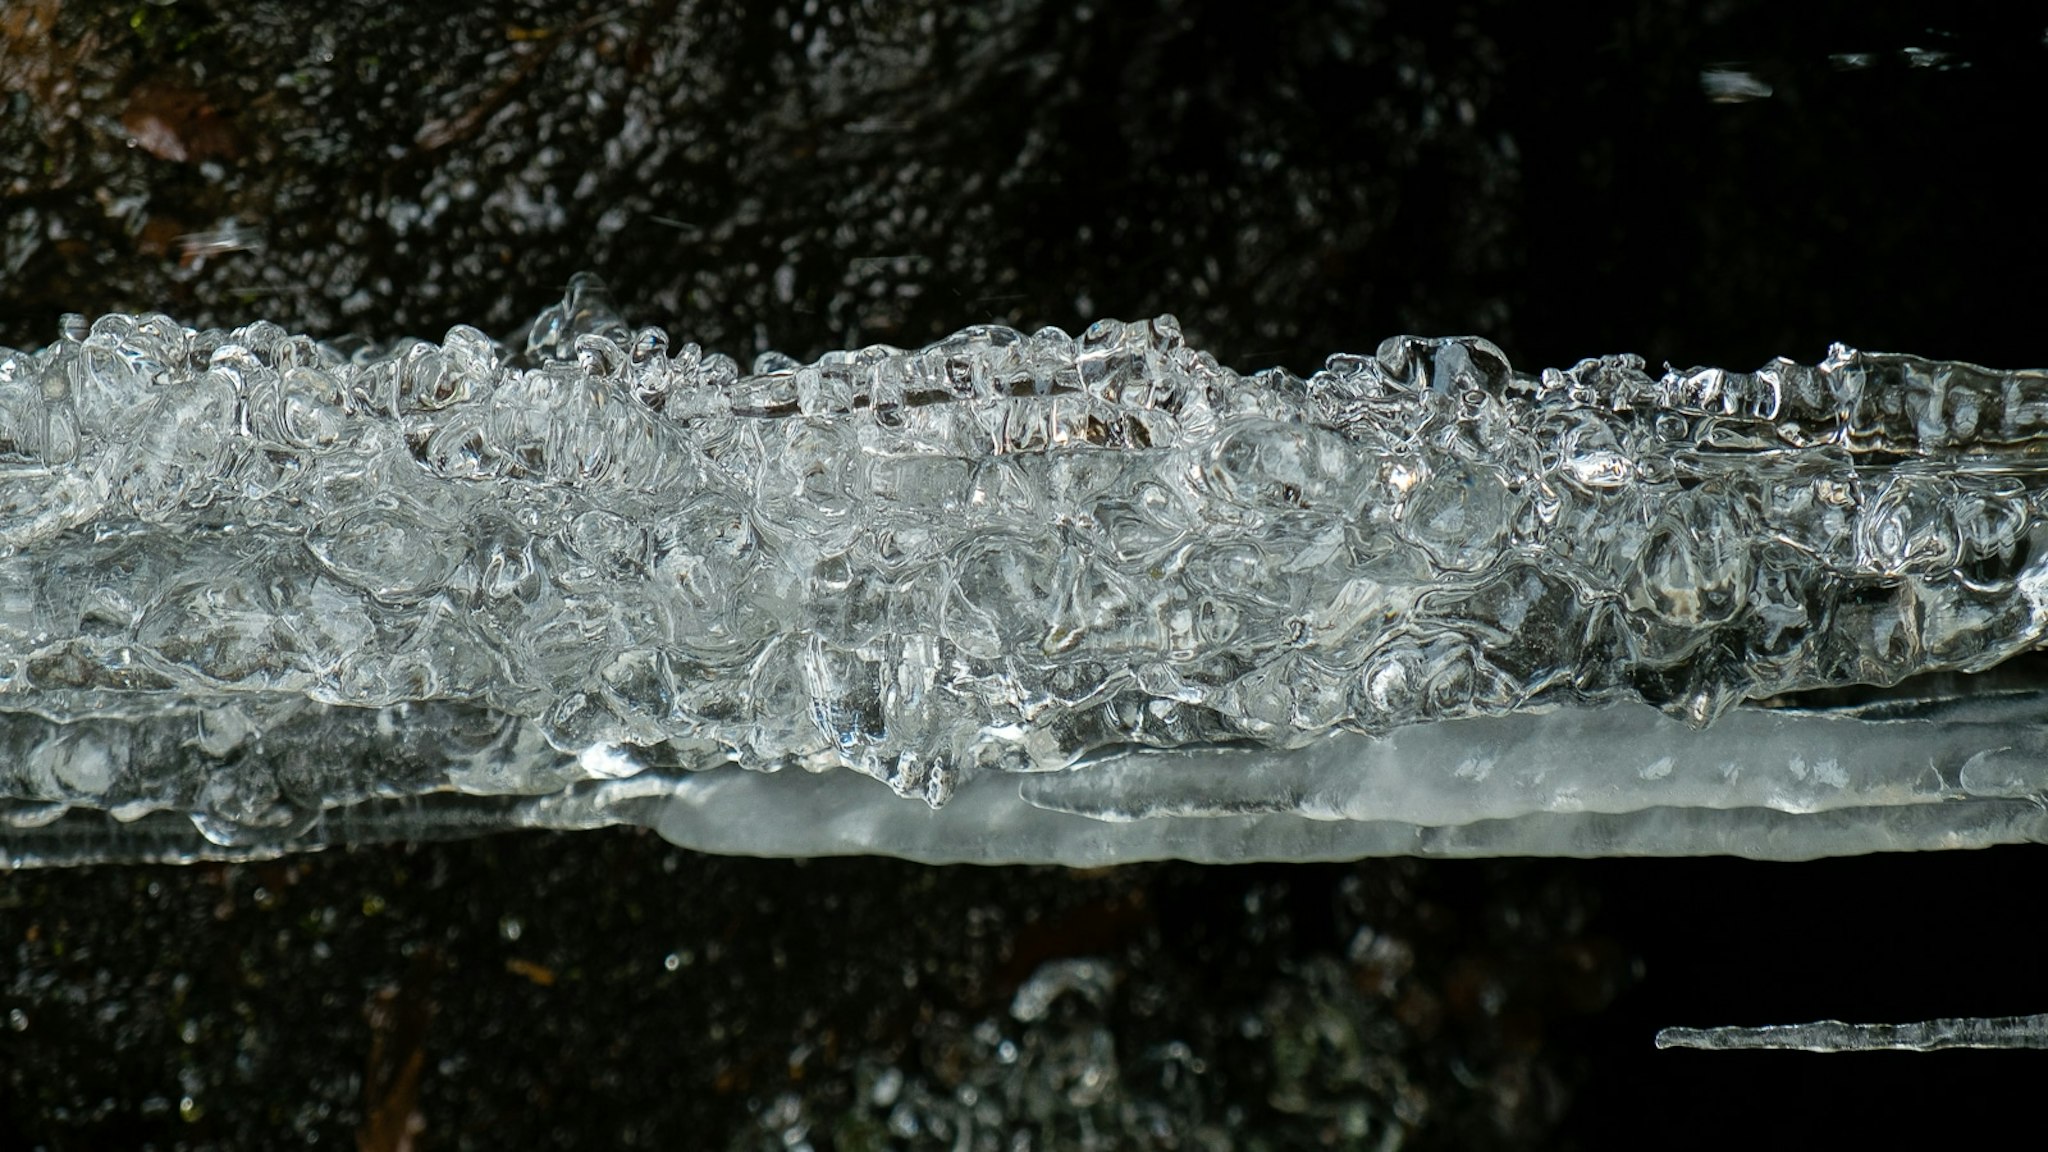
<point x="1835" y="1036"/>
<point x="1010" y="597"/>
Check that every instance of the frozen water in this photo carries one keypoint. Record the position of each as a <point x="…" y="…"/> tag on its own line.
<point x="1010" y="597"/>
<point x="1835" y="1036"/>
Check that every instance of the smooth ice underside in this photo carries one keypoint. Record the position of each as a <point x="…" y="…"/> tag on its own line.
<point x="1010" y="598"/>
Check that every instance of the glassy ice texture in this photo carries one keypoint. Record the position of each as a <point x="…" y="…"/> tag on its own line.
<point x="1835" y="1036"/>
<point x="1009" y="597"/>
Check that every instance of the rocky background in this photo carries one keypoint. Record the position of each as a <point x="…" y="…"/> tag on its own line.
<point x="1714" y="183"/>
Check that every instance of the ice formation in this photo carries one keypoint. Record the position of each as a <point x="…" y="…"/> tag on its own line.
<point x="1010" y="597"/>
<point x="1835" y="1036"/>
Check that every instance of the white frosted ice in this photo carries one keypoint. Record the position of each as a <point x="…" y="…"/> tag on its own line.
<point x="1018" y="597"/>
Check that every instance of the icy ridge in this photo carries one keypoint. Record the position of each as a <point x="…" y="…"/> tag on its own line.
<point x="1001" y="551"/>
<point x="1836" y="1036"/>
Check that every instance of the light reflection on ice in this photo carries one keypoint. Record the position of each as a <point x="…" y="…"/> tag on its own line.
<point x="254" y="581"/>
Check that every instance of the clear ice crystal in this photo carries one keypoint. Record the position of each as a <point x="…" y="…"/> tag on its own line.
<point x="254" y="580"/>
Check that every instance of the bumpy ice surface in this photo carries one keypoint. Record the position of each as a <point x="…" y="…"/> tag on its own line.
<point x="1143" y="604"/>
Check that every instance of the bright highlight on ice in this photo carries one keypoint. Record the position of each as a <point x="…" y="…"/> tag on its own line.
<point x="1010" y="597"/>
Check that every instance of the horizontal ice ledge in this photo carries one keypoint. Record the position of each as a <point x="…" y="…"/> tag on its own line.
<point x="1621" y="780"/>
<point x="1618" y="781"/>
<point x="1010" y="597"/>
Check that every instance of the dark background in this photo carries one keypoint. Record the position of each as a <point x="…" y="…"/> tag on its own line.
<point x="1290" y="178"/>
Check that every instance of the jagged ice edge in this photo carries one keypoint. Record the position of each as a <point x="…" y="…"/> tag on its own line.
<point x="1854" y="407"/>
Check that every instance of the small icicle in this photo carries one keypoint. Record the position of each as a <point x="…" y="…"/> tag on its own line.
<point x="1836" y="1036"/>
